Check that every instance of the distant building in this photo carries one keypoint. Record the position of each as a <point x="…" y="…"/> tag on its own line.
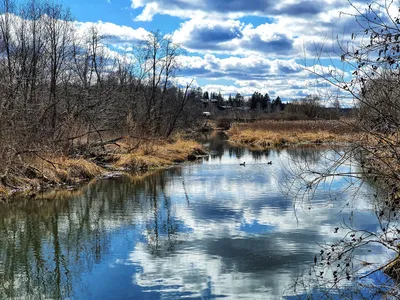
<point x="224" y="107"/>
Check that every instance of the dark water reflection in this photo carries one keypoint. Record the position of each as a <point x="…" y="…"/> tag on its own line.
<point x="199" y="231"/>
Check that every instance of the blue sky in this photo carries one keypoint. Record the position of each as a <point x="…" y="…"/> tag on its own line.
<point x="232" y="46"/>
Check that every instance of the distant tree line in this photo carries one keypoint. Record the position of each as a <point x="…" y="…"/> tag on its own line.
<point x="258" y="101"/>
<point x="308" y="107"/>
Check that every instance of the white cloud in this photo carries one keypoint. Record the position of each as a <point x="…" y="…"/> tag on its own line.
<point x="293" y="37"/>
<point x="228" y="9"/>
<point x="113" y="33"/>
<point x="148" y="13"/>
<point x="210" y="254"/>
<point x="262" y="57"/>
<point x="286" y="78"/>
<point x="233" y="38"/>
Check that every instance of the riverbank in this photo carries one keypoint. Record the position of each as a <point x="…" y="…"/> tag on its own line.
<point x="36" y="172"/>
<point x="270" y="133"/>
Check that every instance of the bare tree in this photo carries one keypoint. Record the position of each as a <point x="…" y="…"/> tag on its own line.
<point x="58" y="29"/>
<point x="372" y="55"/>
<point x="158" y="61"/>
<point x="61" y="90"/>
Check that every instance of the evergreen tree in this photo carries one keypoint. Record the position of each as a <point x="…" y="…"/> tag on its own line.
<point x="255" y="100"/>
<point x="205" y="96"/>
<point x="220" y="99"/>
<point x="230" y="100"/>
<point x="198" y="93"/>
<point x="266" y="102"/>
<point x="238" y="101"/>
<point x="277" y="104"/>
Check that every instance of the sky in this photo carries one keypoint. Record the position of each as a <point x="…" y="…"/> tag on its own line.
<point x="234" y="46"/>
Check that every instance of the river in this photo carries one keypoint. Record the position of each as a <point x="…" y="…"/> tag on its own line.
<point x="205" y="230"/>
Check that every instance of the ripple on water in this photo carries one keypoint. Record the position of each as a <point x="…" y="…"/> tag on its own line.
<point x="206" y="230"/>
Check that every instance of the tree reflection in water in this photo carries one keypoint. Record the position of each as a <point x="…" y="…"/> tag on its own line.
<point x="202" y="230"/>
<point x="48" y="244"/>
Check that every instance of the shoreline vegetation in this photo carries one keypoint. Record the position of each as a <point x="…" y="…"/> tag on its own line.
<point x="39" y="172"/>
<point x="273" y="133"/>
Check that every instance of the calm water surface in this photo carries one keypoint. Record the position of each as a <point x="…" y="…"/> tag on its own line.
<point x="206" y="230"/>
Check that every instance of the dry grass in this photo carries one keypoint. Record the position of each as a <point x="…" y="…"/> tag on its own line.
<point x="268" y="133"/>
<point x="151" y="156"/>
<point x="38" y="173"/>
<point x="333" y="126"/>
<point x="135" y="161"/>
<point x="3" y="191"/>
<point x="74" y="170"/>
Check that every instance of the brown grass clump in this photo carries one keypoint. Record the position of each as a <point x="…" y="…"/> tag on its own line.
<point x="39" y="174"/>
<point x="72" y="170"/>
<point x="268" y="133"/>
<point x="151" y="156"/>
<point x="135" y="161"/>
<point x="3" y="192"/>
<point x="179" y="151"/>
